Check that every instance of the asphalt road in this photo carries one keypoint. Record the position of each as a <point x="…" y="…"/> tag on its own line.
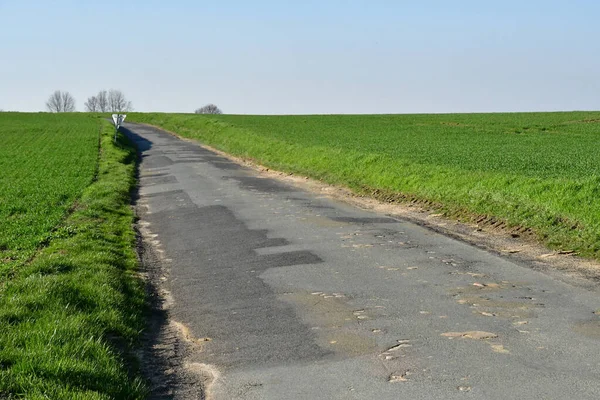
<point x="303" y="297"/>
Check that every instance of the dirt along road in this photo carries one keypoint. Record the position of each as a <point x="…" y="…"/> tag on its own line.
<point x="266" y="291"/>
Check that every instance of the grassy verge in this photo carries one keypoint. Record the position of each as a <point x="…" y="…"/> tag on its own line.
<point x="538" y="170"/>
<point x="69" y="317"/>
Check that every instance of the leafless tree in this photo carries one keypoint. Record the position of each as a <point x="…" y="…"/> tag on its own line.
<point x="108" y="101"/>
<point x="117" y="102"/>
<point x="61" y="101"/>
<point x="91" y="105"/>
<point x="102" y="99"/>
<point x="209" y="109"/>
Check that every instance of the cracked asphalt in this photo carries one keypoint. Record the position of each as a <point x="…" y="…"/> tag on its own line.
<point x="289" y="295"/>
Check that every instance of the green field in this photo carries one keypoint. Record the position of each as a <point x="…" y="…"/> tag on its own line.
<point x="71" y="306"/>
<point x="527" y="170"/>
<point x="46" y="161"/>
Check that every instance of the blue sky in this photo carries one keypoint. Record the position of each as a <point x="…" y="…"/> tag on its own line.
<point x="277" y="57"/>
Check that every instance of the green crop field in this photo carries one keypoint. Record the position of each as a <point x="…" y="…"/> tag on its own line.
<point x="71" y="306"/>
<point x="528" y="170"/>
<point x="46" y="161"/>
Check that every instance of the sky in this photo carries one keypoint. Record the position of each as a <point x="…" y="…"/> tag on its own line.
<point x="305" y="57"/>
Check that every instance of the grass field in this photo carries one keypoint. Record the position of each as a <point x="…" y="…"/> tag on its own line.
<point x="71" y="307"/>
<point x="45" y="163"/>
<point x="528" y="170"/>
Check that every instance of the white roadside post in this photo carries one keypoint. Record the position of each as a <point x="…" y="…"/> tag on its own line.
<point x="118" y="120"/>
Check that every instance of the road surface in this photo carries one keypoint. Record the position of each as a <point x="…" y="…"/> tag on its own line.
<point x="289" y="295"/>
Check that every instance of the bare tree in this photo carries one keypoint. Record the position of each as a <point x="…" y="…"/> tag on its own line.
<point x="108" y="101"/>
<point x="117" y="102"/>
<point x="209" y="109"/>
<point x="91" y="105"/>
<point x="61" y="102"/>
<point x="102" y="99"/>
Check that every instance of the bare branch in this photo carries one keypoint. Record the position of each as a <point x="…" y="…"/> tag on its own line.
<point x="91" y="105"/>
<point x="61" y="102"/>
<point x="117" y="102"/>
<point x="68" y="102"/>
<point x="102" y="98"/>
<point x="209" y="109"/>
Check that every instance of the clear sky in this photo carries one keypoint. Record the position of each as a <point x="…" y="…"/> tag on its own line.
<point x="310" y="56"/>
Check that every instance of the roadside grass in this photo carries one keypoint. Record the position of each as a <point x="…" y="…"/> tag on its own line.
<point x="528" y="170"/>
<point x="70" y="318"/>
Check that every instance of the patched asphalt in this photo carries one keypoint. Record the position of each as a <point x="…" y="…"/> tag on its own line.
<point x="297" y="296"/>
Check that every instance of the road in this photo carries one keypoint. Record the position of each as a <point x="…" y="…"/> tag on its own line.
<point x="296" y="296"/>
